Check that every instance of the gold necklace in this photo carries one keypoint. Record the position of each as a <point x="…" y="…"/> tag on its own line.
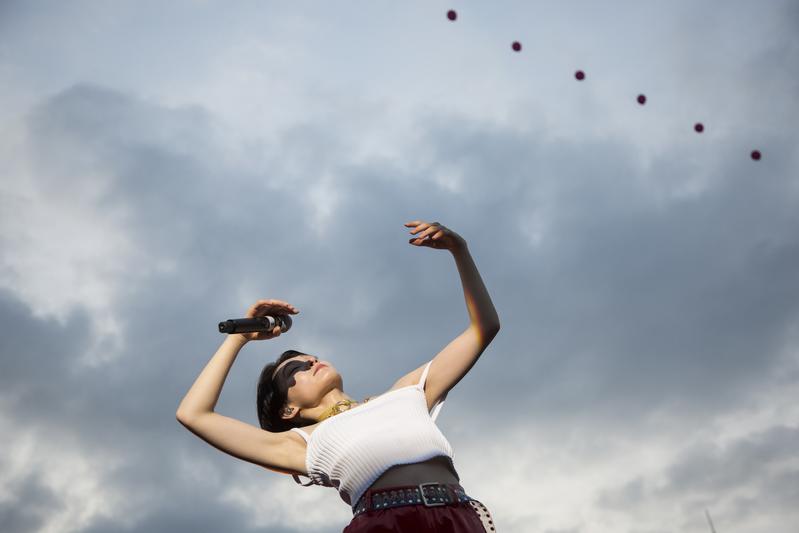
<point x="338" y="408"/>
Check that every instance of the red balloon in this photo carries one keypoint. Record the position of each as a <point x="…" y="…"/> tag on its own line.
<point x="517" y="46"/>
<point x="756" y="155"/>
<point x="699" y="127"/>
<point x="451" y="15"/>
<point x="641" y="99"/>
<point x="580" y="75"/>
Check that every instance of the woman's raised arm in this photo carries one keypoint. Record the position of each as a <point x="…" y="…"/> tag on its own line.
<point x="275" y="451"/>
<point x="204" y="394"/>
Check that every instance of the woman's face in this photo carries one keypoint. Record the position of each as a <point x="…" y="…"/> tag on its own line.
<point x="309" y="379"/>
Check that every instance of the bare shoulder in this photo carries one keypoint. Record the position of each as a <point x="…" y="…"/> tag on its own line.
<point x="411" y="378"/>
<point x="450" y="364"/>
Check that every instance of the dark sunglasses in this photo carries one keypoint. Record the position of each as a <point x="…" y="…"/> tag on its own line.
<point x="286" y="374"/>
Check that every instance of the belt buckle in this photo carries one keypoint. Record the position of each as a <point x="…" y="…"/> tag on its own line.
<point x="424" y="498"/>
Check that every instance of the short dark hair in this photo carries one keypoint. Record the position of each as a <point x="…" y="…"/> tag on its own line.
<point x="272" y="398"/>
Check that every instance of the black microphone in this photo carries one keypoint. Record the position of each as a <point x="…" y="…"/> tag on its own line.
<point x="259" y="323"/>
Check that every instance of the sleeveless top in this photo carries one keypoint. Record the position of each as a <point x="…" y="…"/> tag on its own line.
<point x="350" y="450"/>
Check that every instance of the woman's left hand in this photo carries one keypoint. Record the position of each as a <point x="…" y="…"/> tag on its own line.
<point x="263" y="308"/>
<point x="434" y="235"/>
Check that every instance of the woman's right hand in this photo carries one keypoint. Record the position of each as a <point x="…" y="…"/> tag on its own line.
<point x="263" y="308"/>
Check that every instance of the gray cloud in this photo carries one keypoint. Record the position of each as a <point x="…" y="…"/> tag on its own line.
<point x="725" y="479"/>
<point x="685" y="301"/>
<point x="631" y="281"/>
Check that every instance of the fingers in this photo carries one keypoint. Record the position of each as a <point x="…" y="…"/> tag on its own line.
<point x="268" y="334"/>
<point x="422" y="236"/>
<point x="274" y="305"/>
<point x="418" y="240"/>
<point x="417" y="228"/>
<point x="434" y="231"/>
<point x="433" y="235"/>
<point x="420" y="225"/>
<point x="431" y="231"/>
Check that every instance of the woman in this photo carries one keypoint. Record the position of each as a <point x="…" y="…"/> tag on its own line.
<point x="385" y="455"/>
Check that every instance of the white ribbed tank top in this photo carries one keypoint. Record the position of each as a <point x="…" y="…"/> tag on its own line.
<point x="350" y="450"/>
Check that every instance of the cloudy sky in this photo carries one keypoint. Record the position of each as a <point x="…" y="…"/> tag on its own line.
<point x="164" y="165"/>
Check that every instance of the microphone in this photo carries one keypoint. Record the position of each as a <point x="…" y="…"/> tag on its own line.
<point x="259" y="323"/>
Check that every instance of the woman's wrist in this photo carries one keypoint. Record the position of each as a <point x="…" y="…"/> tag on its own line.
<point x="460" y="247"/>
<point x="237" y="338"/>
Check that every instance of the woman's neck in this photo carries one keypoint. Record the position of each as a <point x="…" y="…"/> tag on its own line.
<point x="331" y="399"/>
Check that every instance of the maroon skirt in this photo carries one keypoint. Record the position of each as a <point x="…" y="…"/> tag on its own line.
<point x="464" y="517"/>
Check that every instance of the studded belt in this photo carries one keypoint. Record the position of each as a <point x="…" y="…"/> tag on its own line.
<point x="427" y="494"/>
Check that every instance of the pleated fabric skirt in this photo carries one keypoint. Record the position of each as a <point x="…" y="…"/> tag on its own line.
<point x="464" y="517"/>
